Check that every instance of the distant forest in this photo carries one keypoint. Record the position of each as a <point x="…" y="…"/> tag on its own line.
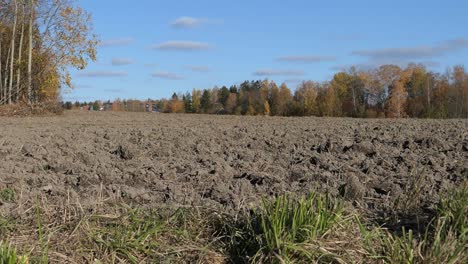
<point x="386" y="91"/>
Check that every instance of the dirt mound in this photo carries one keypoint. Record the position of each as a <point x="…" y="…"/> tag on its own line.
<point x="387" y="168"/>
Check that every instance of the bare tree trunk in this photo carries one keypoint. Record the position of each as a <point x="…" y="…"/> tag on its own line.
<point x="463" y="113"/>
<point x="428" y="96"/>
<point x="1" y="79"/>
<point x="12" y="60"/>
<point x="5" y="90"/>
<point x="18" y="78"/>
<point x="354" y="102"/>
<point x="31" y="17"/>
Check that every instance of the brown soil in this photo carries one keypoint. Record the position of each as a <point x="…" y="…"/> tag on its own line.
<point x="385" y="168"/>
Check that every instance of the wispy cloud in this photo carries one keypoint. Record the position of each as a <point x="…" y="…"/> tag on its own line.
<point x="78" y="98"/>
<point x="377" y="63"/>
<point x="102" y="74"/>
<point x="411" y="53"/>
<point x="306" y="59"/>
<point x="359" y="67"/>
<point x="189" y="22"/>
<point x="198" y="68"/>
<point x="81" y="86"/>
<point x="348" y="37"/>
<point x="150" y="65"/>
<point x="294" y="81"/>
<point x="430" y="64"/>
<point x="183" y="46"/>
<point x="271" y="72"/>
<point x="116" y="90"/>
<point x="121" y="61"/>
<point x="116" y="42"/>
<point x="167" y="76"/>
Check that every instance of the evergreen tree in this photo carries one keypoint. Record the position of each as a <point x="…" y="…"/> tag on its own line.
<point x="188" y="106"/>
<point x="205" y="102"/>
<point x="223" y="95"/>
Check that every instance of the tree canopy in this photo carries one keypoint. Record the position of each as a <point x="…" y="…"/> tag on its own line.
<point x="40" y="41"/>
<point x="385" y="91"/>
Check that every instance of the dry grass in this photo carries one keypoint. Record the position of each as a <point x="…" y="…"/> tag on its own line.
<point x="315" y="229"/>
<point x="25" y="110"/>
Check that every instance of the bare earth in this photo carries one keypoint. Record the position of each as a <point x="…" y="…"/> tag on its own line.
<point x="383" y="167"/>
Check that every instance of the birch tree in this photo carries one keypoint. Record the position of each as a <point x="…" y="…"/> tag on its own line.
<point x="5" y="81"/>
<point x="68" y="36"/>
<point x="12" y="59"/>
<point x="18" y="78"/>
<point x="398" y="95"/>
<point x="1" y="79"/>
<point x="30" y="48"/>
<point x="56" y="36"/>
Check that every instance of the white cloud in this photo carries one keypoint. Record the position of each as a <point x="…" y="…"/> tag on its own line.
<point x="198" y="68"/>
<point x="150" y="65"/>
<point x="294" y="81"/>
<point x="116" y="42"/>
<point x="188" y="22"/>
<point x="121" y="61"/>
<point x="117" y="90"/>
<point x="271" y="72"/>
<point x="81" y="86"/>
<point x="102" y="74"/>
<point x="78" y="98"/>
<point x="347" y="37"/>
<point x="167" y="76"/>
<point x="411" y="53"/>
<point x="306" y="58"/>
<point x="183" y="46"/>
<point x="377" y="63"/>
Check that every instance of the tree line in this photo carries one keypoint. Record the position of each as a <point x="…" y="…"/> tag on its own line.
<point x="386" y="91"/>
<point x="40" y="40"/>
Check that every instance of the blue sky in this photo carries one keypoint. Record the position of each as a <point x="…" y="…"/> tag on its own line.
<point x="152" y="48"/>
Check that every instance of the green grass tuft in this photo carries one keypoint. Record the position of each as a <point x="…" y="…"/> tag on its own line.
<point x="9" y="255"/>
<point x="128" y="237"/>
<point x="7" y="195"/>
<point x="454" y="209"/>
<point x="287" y="230"/>
<point x="444" y="241"/>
